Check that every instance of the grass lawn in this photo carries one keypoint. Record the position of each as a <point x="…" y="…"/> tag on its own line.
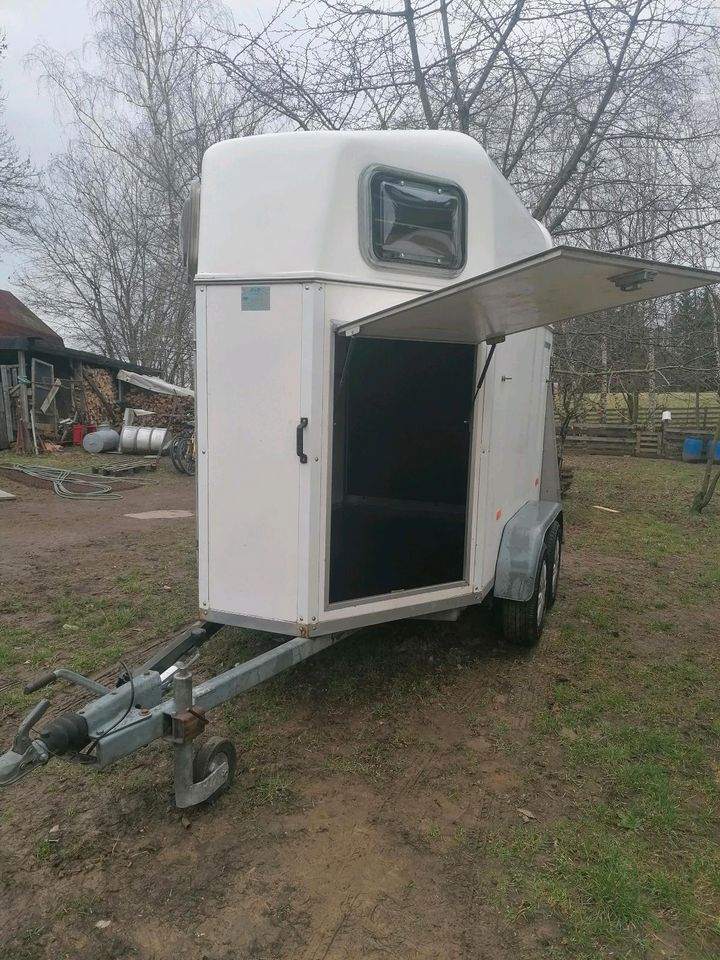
<point x="417" y="791"/>
<point x="628" y="864"/>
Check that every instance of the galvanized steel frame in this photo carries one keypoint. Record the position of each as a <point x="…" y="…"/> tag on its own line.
<point x="150" y="718"/>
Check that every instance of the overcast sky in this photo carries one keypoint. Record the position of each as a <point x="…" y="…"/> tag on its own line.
<point x="30" y="115"/>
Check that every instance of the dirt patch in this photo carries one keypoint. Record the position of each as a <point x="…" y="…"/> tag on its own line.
<point x="382" y="806"/>
<point x="42" y="528"/>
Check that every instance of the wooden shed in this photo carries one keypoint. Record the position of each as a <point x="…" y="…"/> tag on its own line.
<point x="43" y="382"/>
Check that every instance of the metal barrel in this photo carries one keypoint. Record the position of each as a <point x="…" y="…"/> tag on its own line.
<point x="142" y="440"/>
<point x="100" y="440"/>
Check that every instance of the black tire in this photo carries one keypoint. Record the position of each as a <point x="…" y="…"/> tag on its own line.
<point x="181" y="456"/>
<point x="523" y="621"/>
<point x="186" y="458"/>
<point x="174" y="454"/>
<point x="553" y="543"/>
<point x="213" y="752"/>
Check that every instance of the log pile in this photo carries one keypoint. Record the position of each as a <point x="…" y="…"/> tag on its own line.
<point x="167" y="411"/>
<point x="100" y="396"/>
<point x="100" y="391"/>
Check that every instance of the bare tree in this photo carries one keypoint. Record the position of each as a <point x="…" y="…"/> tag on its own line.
<point x="710" y="478"/>
<point x="153" y="102"/>
<point x="17" y="178"/>
<point x="97" y="239"/>
<point x="660" y="200"/>
<point x="595" y="111"/>
<point x="601" y="113"/>
<point x="142" y="118"/>
<point x="554" y="91"/>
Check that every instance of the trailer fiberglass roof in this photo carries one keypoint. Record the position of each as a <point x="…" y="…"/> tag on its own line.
<point x="551" y="286"/>
<point x="296" y="206"/>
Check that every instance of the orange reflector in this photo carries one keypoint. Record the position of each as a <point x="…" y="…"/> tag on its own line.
<point x="537" y="480"/>
<point x="498" y="514"/>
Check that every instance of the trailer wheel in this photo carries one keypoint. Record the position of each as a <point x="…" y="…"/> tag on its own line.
<point x="523" y="621"/>
<point x="215" y="751"/>
<point x="553" y="542"/>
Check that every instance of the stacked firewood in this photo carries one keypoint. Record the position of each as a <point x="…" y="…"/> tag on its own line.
<point x="100" y="395"/>
<point x="167" y="411"/>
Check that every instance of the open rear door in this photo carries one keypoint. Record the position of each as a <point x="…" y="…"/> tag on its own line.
<point x="554" y="285"/>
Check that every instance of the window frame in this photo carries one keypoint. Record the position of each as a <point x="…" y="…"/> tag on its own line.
<point x="366" y="222"/>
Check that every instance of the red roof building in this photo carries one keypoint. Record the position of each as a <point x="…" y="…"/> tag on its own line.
<point x="17" y="320"/>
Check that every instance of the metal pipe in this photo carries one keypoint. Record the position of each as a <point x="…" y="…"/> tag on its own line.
<point x="133" y="715"/>
<point x="183" y="691"/>
<point x="245" y="676"/>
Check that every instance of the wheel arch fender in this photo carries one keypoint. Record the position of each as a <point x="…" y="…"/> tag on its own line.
<point x="521" y="544"/>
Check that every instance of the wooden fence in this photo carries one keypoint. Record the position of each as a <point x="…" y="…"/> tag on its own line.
<point x="687" y="418"/>
<point x="626" y="441"/>
<point x="609" y="439"/>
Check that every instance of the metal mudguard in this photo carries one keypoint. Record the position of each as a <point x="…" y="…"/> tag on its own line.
<point x="520" y="547"/>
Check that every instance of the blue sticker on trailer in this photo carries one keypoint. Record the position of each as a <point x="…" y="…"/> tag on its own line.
<point x="255" y="298"/>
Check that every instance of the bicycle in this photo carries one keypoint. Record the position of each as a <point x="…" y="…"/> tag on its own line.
<point x="182" y="450"/>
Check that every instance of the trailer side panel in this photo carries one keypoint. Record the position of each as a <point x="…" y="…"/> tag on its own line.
<point x="248" y="465"/>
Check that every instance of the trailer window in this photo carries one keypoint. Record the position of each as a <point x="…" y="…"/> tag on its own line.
<point x="416" y="221"/>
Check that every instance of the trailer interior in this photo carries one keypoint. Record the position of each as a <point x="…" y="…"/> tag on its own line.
<point x="401" y="456"/>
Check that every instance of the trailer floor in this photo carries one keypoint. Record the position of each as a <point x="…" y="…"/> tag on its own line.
<point x="418" y="791"/>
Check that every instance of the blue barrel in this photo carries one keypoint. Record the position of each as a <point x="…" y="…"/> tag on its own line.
<point x="692" y="449"/>
<point x="716" y="458"/>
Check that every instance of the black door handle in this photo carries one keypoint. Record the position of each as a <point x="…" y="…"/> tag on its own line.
<point x="299" y="439"/>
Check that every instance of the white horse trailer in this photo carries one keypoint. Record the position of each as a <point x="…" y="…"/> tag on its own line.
<point x="375" y="433"/>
